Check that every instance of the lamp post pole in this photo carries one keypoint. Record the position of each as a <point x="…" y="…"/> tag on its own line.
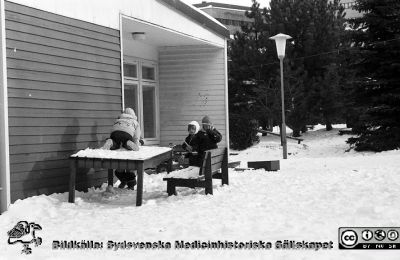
<point x="284" y="142"/>
<point x="280" y="41"/>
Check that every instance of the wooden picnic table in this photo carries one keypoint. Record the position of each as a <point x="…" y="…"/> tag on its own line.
<point x="146" y="157"/>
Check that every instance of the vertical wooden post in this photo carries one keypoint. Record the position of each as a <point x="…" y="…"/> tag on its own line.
<point x="139" y="193"/>
<point x="225" y="178"/>
<point x="110" y="177"/>
<point x="72" y="179"/>
<point x="208" y="174"/>
<point x="171" y="188"/>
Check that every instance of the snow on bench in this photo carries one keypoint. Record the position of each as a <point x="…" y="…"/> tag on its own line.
<point x="192" y="177"/>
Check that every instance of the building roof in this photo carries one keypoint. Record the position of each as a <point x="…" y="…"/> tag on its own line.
<point x="199" y="17"/>
<point x="221" y="5"/>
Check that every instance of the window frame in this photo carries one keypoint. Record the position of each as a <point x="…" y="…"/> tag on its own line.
<point x="137" y="70"/>
<point x="140" y="82"/>
<point x="156" y="109"/>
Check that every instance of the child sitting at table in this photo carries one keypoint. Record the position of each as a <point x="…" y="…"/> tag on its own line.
<point x="190" y="143"/>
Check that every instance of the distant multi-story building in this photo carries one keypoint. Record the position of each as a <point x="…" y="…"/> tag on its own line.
<point x="233" y="16"/>
<point x="348" y="8"/>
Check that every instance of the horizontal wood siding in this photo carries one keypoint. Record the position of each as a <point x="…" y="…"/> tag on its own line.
<point x="64" y="91"/>
<point x="192" y="85"/>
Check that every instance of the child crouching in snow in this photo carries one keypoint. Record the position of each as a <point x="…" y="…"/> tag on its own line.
<point x="126" y="133"/>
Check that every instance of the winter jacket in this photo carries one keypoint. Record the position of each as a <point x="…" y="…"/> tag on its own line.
<point x="128" y="123"/>
<point x="203" y="141"/>
<point x="191" y="138"/>
<point x="207" y="140"/>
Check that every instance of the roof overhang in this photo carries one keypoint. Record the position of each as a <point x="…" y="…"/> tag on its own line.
<point x="199" y="16"/>
<point x="171" y="15"/>
<point x="158" y="36"/>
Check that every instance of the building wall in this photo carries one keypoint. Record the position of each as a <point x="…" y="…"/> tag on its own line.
<point x="107" y="13"/>
<point x="348" y="8"/>
<point x="192" y="85"/>
<point x="64" y="90"/>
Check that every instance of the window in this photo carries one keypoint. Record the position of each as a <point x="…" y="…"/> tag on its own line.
<point x="348" y="5"/>
<point x="130" y="70"/>
<point x="141" y="94"/>
<point x="131" y="97"/>
<point x="148" y="73"/>
<point x="149" y="111"/>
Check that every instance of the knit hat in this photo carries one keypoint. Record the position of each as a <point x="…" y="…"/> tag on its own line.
<point x="206" y="121"/>
<point x="130" y="111"/>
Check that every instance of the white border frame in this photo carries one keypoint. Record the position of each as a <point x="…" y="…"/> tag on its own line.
<point x="5" y="195"/>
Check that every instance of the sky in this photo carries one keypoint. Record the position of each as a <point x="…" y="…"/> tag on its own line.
<point x="263" y="3"/>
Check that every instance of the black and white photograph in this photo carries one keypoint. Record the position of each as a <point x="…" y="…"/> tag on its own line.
<point x="190" y="129"/>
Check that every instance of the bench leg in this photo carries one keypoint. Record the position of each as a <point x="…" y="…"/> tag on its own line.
<point x="224" y="170"/>
<point x="208" y="175"/>
<point x="110" y="177"/>
<point x="171" y="188"/>
<point x="209" y="187"/>
<point x="225" y="178"/>
<point x="72" y="179"/>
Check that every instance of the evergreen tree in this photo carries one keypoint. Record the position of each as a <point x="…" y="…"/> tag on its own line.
<point x="250" y="83"/>
<point x="376" y="37"/>
<point x="252" y="93"/>
<point x="317" y="27"/>
<point x="312" y="81"/>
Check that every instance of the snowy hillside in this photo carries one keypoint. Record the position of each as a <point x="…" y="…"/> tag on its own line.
<point x="319" y="188"/>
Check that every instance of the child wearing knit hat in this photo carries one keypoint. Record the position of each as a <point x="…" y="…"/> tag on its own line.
<point x="126" y="133"/>
<point x="206" y="139"/>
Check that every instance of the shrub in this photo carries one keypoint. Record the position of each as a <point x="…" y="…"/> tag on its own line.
<point x="242" y="131"/>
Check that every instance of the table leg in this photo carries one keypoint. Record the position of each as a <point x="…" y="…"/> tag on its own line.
<point x="72" y="179"/>
<point x="110" y="177"/>
<point x="139" y="193"/>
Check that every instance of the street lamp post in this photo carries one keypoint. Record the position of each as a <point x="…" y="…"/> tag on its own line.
<point x="280" y="41"/>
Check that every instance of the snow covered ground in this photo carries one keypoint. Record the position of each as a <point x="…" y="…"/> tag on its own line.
<point x="319" y="188"/>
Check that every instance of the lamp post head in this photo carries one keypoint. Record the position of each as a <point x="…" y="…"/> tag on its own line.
<point x="280" y="41"/>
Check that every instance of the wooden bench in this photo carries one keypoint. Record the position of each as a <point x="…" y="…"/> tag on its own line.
<point x="346" y="131"/>
<point x="213" y="161"/>
<point x="299" y="140"/>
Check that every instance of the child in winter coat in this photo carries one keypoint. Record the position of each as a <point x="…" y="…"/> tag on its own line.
<point x="207" y="138"/>
<point x="125" y="132"/>
<point x="190" y="143"/>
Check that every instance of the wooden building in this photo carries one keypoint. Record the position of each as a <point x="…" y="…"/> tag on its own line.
<point x="68" y="68"/>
